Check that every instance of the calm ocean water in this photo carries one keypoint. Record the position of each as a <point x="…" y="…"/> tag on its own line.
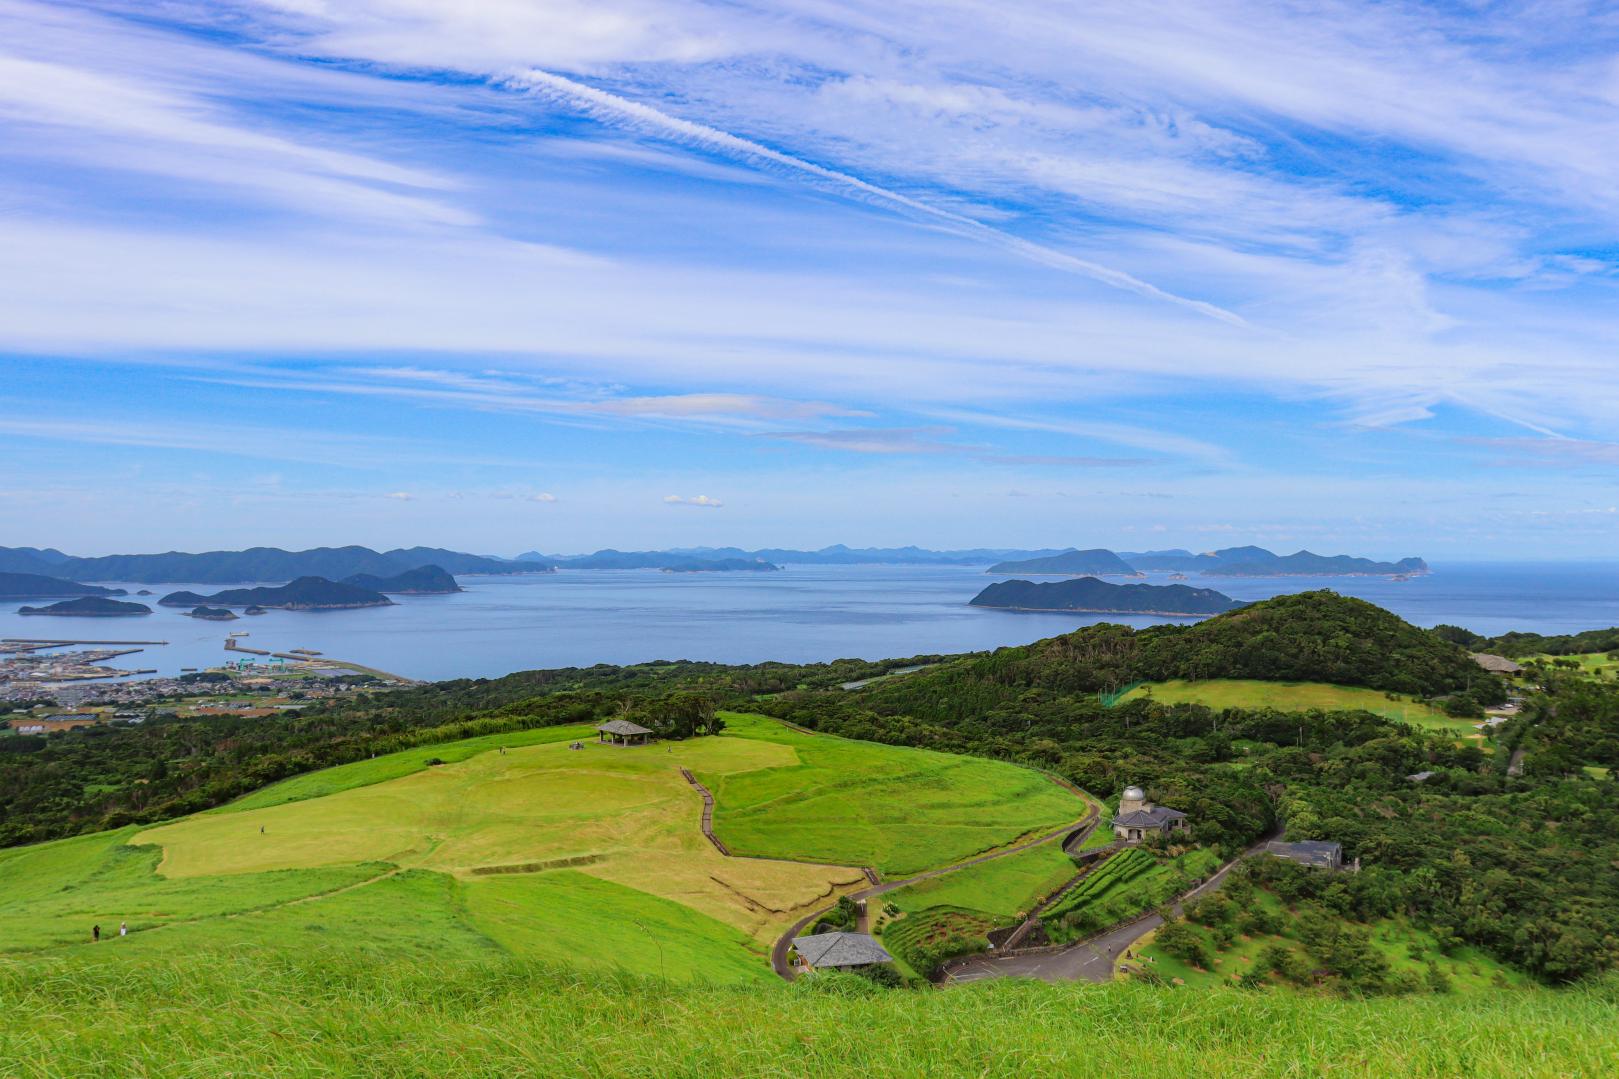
<point x="803" y="614"/>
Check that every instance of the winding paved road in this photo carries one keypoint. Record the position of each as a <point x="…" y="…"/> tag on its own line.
<point x="778" y="954"/>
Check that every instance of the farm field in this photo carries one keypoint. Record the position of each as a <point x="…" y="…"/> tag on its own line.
<point x="514" y="845"/>
<point x="897" y="809"/>
<point x="1466" y="969"/>
<point x="1004" y="887"/>
<point x="1297" y="697"/>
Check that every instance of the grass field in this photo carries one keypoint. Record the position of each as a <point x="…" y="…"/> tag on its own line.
<point x="1468" y="969"/>
<point x="900" y="810"/>
<point x="1004" y="887"/>
<point x="1595" y="664"/>
<point x="217" y="1012"/>
<point x="517" y="844"/>
<point x="1298" y="697"/>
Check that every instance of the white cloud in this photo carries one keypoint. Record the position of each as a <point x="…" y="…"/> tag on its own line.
<point x="696" y="500"/>
<point x="400" y="496"/>
<point x="543" y="496"/>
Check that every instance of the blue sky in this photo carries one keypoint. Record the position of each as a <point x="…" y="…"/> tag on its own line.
<point x="516" y="275"/>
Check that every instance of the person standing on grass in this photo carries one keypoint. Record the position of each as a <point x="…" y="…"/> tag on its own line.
<point x="95" y="933"/>
<point x="123" y="929"/>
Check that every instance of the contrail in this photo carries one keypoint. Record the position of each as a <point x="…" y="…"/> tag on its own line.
<point x="610" y="107"/>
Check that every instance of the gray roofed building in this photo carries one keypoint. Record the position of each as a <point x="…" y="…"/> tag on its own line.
<point x="1137" y="817"/>
<point x="621" y="732"/>
<point x="1420" y="777"/>
<point x="1497" y="664"/>
<point x="1316" y="853"/>
<point x="1159" y="817"/>
<point x="838" y="950"/>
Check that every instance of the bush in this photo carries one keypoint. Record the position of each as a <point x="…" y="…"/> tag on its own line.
<point x="1181" y="941"/>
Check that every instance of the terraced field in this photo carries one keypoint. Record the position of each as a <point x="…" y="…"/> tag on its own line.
<point x="900" y="810"/>
<point x="522" y="845"/>
<point x="1004" y="887"/>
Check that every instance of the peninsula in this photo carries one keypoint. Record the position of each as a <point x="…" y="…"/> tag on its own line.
<point x="1090" y="595"/>
<point x="304" y="594"/>
<point x="89" y="607"/>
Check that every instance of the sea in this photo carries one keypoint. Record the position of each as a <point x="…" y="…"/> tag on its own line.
<point x="801" y="614"/>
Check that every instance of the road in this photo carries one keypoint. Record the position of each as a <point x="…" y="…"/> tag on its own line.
<point x="1092" y="959"/>
<point x="778" y="954"/>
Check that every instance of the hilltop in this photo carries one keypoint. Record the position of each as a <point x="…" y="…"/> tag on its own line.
<point x="37" y="586"/>
<point x="1093" y="562"/>
<point x="1310" y="637"/>
<point x="421" y="581"/>
<point x="303" y="594"/>
<point x="89" y="607"/>
<point x="1090" y="594"/>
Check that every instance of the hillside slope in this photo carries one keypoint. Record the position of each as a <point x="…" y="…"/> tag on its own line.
<point x="341" y="1007"/>
<point x="1310" y="637"/>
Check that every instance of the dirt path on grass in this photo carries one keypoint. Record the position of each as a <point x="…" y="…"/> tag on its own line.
<point x="778" y="954"/>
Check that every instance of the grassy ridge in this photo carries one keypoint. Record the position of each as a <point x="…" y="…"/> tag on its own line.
<point x="336" y="1013"/>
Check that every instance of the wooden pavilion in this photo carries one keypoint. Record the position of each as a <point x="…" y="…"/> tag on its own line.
<point x="621" y="732"/>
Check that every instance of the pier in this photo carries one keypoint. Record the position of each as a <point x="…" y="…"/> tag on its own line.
<point x="304" y="655"/>
<point x="54" y="643"/>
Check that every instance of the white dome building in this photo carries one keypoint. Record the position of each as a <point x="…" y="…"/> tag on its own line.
<point x="1138" y="818"/>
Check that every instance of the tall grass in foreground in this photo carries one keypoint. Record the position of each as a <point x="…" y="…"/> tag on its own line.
<point x="279" y="1014"/>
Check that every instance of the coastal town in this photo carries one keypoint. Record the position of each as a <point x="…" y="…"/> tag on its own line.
<point x="50" y="685"/>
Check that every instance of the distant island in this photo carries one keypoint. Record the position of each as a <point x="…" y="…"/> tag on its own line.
<point x="255" y="564"/>
<point x="1248" y="561"/>
<point x="421" y="581"/>
<point x="212" y="614"/>
<point x="304" y="594"/>
<point x="1259" y="562"/>
<point x="835" y="555"/>
<point x="1095" y="562"/>
<point x="721" y="565"/>
<point x="38" y="586"/>
<point x="668" y="561"/>
<point x="1095" y="596"/>
<point x="89" y="607"/>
